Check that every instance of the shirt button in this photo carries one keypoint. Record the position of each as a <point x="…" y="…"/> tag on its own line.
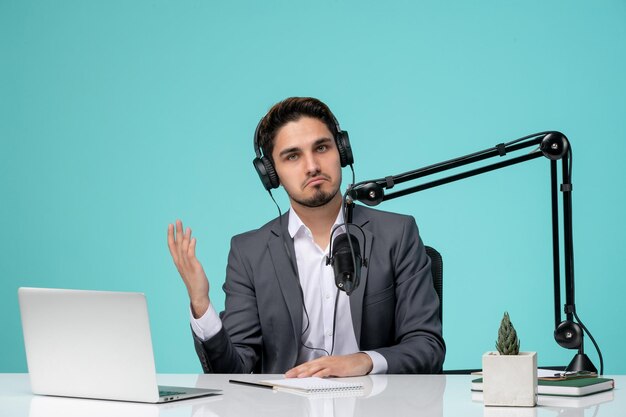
<point x="329" y="334"/>
<point x="327" y="296"/>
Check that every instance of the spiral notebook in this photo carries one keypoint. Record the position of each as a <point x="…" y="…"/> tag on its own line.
<point x="313" y="385"/>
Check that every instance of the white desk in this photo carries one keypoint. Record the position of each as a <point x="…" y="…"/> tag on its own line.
<point x="385" y="395"/>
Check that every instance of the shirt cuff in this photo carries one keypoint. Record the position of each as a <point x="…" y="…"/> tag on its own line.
<point x="379" y="363"/>
<point x="206" y="326"/>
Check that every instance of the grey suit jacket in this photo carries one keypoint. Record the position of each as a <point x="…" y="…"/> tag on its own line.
<point x="394" y="309"/>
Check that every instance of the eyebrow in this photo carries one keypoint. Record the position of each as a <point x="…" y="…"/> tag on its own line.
<point x="318" y="142"/>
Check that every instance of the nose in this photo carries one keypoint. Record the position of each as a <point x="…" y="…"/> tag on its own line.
<point x="312" y="164"/>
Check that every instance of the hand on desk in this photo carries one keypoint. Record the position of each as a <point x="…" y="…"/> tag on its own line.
<point x="183" y="250"/>
<point x="356" y="364"/>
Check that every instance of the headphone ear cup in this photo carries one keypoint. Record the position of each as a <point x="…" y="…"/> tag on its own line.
<point x="345" y="150"/>
<point x="267" y="173"/>
<point x="271" y="172"/>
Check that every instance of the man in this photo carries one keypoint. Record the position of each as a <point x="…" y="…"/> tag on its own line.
<point x="283" y="313"/>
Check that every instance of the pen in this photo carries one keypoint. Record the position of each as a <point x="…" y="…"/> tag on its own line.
<point x="252" y="384"/>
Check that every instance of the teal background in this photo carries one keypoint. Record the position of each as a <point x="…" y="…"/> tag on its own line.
<point x="118" y="117"/>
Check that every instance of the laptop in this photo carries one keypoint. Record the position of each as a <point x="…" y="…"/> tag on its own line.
<point x="93" y="344"/>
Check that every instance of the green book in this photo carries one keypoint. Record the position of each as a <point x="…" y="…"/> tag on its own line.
<point x="575" y="387"/>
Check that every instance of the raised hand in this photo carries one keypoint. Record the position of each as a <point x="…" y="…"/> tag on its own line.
<point x="183" y="250"/>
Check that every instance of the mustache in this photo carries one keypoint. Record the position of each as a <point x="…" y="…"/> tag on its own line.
<point x="314" y="178"/>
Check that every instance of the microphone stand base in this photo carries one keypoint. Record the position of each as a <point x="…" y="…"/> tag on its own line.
<point x="581" y="362"/>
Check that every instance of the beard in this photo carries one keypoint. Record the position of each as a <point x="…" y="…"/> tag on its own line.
<point x="318" y="199"/>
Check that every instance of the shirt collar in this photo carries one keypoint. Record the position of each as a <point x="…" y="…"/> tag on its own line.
<point x="296" y="225"/>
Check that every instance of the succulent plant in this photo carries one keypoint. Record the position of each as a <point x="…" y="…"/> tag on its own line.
<point x="507" y="343"/>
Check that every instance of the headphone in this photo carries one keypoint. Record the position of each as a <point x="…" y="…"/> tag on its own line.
<point x="265" y="168"/>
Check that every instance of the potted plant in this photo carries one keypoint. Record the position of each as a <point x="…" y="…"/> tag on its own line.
<point x="509" y="376"/>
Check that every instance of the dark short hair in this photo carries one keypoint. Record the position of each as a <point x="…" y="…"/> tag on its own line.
<point x="292" y="109"/>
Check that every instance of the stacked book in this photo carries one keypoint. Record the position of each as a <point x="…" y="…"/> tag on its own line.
<point x="565" y="391"/>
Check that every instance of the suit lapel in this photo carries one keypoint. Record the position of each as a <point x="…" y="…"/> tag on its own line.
<point x="289" y="282"/>
<point x="285" y="268"/>
<point x="356" y="298"/>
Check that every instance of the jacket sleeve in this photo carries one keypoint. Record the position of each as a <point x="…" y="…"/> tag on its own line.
<point x="236" y="347"/>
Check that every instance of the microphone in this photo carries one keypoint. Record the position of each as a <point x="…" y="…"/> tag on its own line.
<point x="347" y="269"/>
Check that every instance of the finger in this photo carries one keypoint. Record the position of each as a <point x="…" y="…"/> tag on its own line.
<point x="323" y="373"/>
<point x="191" y="252"/>
<point x="297" y="371"/>
<point x="179" y="229"/>
<point x="179" y="238"/>
<point x="308" y="373"/>
<point x="178" y="235"/>
<point x="310" y="370"/>
<point x="182" y="245"/>
<point x="171" y="244"/>
<point x="185" y="240"/>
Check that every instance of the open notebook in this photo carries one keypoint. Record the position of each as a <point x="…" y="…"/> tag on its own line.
<point x="314" y="385"/>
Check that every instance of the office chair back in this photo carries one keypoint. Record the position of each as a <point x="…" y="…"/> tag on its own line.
<point x="437" y="272"/>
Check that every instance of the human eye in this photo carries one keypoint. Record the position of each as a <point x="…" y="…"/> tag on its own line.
<point x="292" y="157"/>
<point x="322" y="148"/>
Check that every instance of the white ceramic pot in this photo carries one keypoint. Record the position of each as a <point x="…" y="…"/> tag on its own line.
<point x="510" y="380"/>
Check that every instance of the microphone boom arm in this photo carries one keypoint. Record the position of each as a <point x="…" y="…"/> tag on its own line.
<point x="552" y="145"/>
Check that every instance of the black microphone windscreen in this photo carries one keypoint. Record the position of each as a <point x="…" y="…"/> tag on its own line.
<point x="347" y="269"/>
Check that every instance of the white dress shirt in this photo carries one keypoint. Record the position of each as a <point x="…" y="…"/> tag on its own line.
<point x="318" y="288"/>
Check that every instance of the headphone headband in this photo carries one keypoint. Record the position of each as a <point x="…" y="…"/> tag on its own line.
<point x="257" y="148"/>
